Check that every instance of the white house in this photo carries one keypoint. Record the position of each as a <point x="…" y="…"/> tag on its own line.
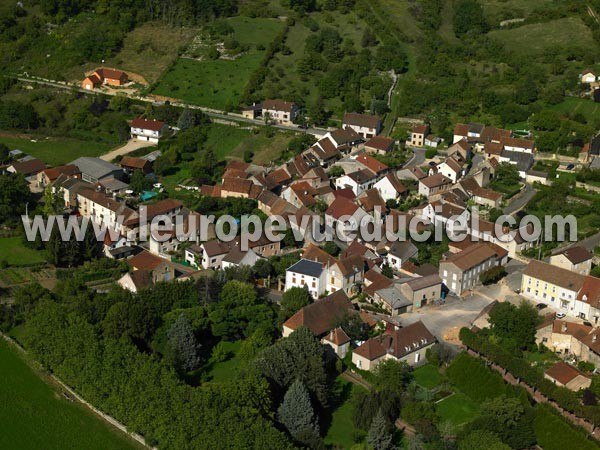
<point x="147" y="130"/>
<point x="365" y="125"/>
<point x="451" y="169"/>
<point x="390" y="187"/>
<point x="279" y="111"/>
<point x="359" y="181"/>
<point x="307" y="273"/>
<point x="239" y="258"/>
<point x="588" y="77"/>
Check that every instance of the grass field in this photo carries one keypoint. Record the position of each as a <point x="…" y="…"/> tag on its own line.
<point x="55" y="151"/>
<point x="498" y="10"/>
<point x="535" y="39"/>
<point x="36" y="416"/>
<point x="15" y="253"/>
<point x="339" y="432"/>
<point x="226" y="370"/>
<point x="458" y="409"/>
<point x="219" y="83"/>
<point x="147" y="51"/>
<point x="428" y="376"/>
<point x="572" y="105"/>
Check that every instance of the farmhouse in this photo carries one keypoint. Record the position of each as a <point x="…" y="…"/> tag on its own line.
<point x="27" y="168"/>
<point x="279" y="111"/>
<point x="562" y="374"/>
<point x="147" y="130"/>
<point x="365" y="125"/>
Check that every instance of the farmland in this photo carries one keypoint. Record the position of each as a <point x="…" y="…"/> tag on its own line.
<point x="220" y="83"/>
<point x="40" y="417"/>
<point x="55" y="151"/>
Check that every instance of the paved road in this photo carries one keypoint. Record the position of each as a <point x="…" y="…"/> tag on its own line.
<point x="130" y="146"/>
<point x="223" y="115"/>
<point x="521" y="201"/>
<point x="417" y="159"/>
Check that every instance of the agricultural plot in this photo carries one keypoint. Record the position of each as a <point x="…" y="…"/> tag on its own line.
<point x="219" y="83"/>
<point x="55" y="151"/>
<point x="535" y="39"/>
<point x="37" y="416"/>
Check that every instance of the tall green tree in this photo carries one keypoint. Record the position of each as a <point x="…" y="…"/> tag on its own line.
<point x="292" y="301"/>
<point x="296" y="412"/>
<point x="182" y="346"/>
<point x="380" y="435"/>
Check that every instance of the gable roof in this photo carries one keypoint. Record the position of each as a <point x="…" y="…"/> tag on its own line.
<point x="111" y="74"/>
<point x="322" y="315"/>
<point x="341" y="206"/>
<point x="337" y="336"/>
<point x="29" y="167"/>
<point x="361" y="120"/>
<point x="278" y="105"/>
<point x="372" y="163"/>
<point x="372" y="349"/>
<point x="145" y="124"/>
<point x="314" y="253"/>
<point x="396" y="183"/>
<point x="307" y="267"/>
<point x="380" y="143"/>
<point x="435" y="180"/>
<point x="576" y="254"/>
<point x="563" y="372"/>
<point x="145" y="261"/>
<point x="68" y="170"/>
<point x="95" y="167"/>
<point x="471" y="256"/>
<point x="555" y="275"/>
<point x="134" y="162"/>
<point x="420" y="128"/>
<point x="411" y="338"/>
<point x="419" y="283"/>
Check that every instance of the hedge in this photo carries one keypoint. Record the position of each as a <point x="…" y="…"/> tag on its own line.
<point x="521" y="369"/>
<point x="554" y="433"/>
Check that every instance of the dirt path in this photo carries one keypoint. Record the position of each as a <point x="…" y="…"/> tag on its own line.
<point x="130" y="146"/>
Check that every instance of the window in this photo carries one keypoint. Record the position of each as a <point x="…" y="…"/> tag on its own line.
<point x="332" y="280"/>
<point x="528" y="290"/>
<point x="417" y="357"/>
<point x="314" y="285"/>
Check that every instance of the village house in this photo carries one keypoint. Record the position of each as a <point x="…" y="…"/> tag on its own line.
<point x="238" y="258"/>
<point x="452" y="168"/>
<point x="537" y="176"/>
<point x="344" y="139"/>
<point x="365" y="125"/>
<point x="461" y="148"/>
<point x="434" y="184"/>
<point x="29" y="168"/>
<point x="380" y="145"/>
<point x="103" y="210"/>
<point x="280" y="112"/>
<point x="418" y="135"/>
<point x="147" y="130"/>
<point x="460" y="271"/>
<point x="339" y="341"/>
<point x="423" y="290"/>
<point x="487" y="197"/>
<point x="391" y="188"/>
<point x="570" y="338"/>
<point x="374" y="165"/>
<point x="132" y="163"/>
<point x="576" y="259"/>
<point x="471" y="132"/>
<point x="343" y="208"/>
<point x="588" y="76"/>
<point x="345" y="274"/>
<point x="359" y="181"/>
<point x="48" y="176"/>
<point x="408" y="344"/>
<point x="106" y="76"/>
<point x="565" y="375"/>
<point x="400" y="252"/>
<point x="311" y="274"/>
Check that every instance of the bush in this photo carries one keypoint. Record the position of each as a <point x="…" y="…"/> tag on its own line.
<point x="492" y="275"/>
<point x="430" y="153"/>
<point x="553" y="433"/>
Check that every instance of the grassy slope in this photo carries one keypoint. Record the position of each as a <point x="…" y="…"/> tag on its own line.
<point x="218" y="84"/>
<point x="36" y="416"/>
<point x="15" y="253"/>
<point x="339" y="432"/>
<point x="56" y="151"/>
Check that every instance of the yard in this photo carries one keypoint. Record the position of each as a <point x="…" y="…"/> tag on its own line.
<point x="340" y="430"/>
<point x="54" y="151"/>
<point x="14" y="253"/>
<point x="38" y="416"/>
<point x="428" y="376"/>
<point x="535" y="39"/>
<point x="458" y="409"/>
<point x="219" y="83"/>
<point x="225" y="370"/>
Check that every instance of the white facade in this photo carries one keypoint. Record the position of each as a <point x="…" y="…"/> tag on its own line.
<point x="386" y="189"/>
<point x="316" y="285"/>
<point x="144" y="134"/>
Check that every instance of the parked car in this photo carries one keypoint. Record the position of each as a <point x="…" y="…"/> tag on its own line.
<point x="541" y="306"/>
<point x="570" y="166"/>
<point x="560" y="315"/>
<point x="303" y="127"/>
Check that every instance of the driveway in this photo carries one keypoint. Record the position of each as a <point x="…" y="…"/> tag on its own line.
<point x="417" y="159"/>
<point x="130" y="146"/>
<point x="520" y="201"/>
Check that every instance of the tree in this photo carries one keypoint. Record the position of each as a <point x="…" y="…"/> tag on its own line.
<point x="482" y="440"/>
<point x="14" y="194"/>
<point x="469" y="17"/>
<point x="353" y="325"/>
<point x="392" y="376"/>
<point x="506" y="410"/>
<point x="331" y="248"/>
<point x="492" y="275"/>
<point x="380" y="435"/>
<point x="53" y="203"/>
<point x="515" y="326"/>
<point x="186" y="119"/>
<point x="296" y="412"/>
<point x="368" y="38"/>
<point x="292" y="301"/>
<point x="387" y="271"/>
<point x="139" y="182"/>
<point x="4" y="151"/>
<point x="182" y="347"/>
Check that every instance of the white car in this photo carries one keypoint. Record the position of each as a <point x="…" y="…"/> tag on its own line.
<point x="560" y="315"/>
<point x="157" y="185"/>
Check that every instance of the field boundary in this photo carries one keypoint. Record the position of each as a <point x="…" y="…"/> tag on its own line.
<point x="109" y="419"/>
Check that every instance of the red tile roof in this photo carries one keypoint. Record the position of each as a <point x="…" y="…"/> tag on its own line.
<point x="144" y="124"/>
<point x="372" y="164"/>
<point x="322" y="316"/>
<point x="278" y="105"/>
<point x="361" y="120"/>
<point x="341" y="206"/>
<point x="380" y="143"/>
<point x="563" y="372"/>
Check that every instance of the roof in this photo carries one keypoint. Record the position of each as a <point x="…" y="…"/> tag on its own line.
<point x="396" y="183"/>
<point x="361" y="120"/>
<point x="577" y="330"/>
<point x="380" y="143"/>
<point x="280" y="176"/>
<point x="54" y="172"/>
<point x="141" y="278"/>
<point x="563" y="372"/>
<point x="471" y="257"/>
<point x="344" y="136"/>
<point x="371" y="349"/>
<point x="337" y="336"/>
<point x="278" y="105"/>
<point x="370" y="199"/>
<point x="134" y="162"/>
<point x="420" y="128"/>
<point x="162" y="207"/>
<point x="403" y="250"/>
<point x="372" y="163"/>
<point x="111" y="73"/>
<point x="523" y="160"/>
<point x="350" y="265"/>
<point x="377" y="281"/>
<point x="307" y="267"/>
<point x="453" y="164"/>
<point x="314" y="253"/>
<point x="487" y="193"/>
<point x="237" y="185"/>
<point x="95" y="79"/>
<point x="424" y="282"/>
<point x="411" y="338"/>
<point x="145" y="261"/>
<point x="461" y="129"/>
<point x="322" y="315"/>
<point x="95" y="167"/>
<point x="575" y="254"/>
<point x="341" y="206"/>
<point x="555" y="275"/>
<point x="518" y="143"/>
<point x="235" y="255"/>
<point x="154" y="125"/>
<point x="361" y="176"/>
<point x="215" y="247"/>
<point x="590" y="291"/>
<point x="495" y="134"/>
<point x="537" y="173"/>
<point x="435" y="180"/>
<point x="29" y="167"/>
<point x="112" y="184"/>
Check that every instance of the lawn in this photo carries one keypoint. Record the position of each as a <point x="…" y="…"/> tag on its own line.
<point x="571" y="106"/>
<point x="37" y="416"/>
<point x="225" y="370"/>
<point x="339" y="433"/>
<point x="15" y="253"/>
<point x="219" y="83"/>
<point x="55" y="151"/>
<point x="458" y="409"/>
<point x="535" y="39"/>
<point x="428" y="376"/>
